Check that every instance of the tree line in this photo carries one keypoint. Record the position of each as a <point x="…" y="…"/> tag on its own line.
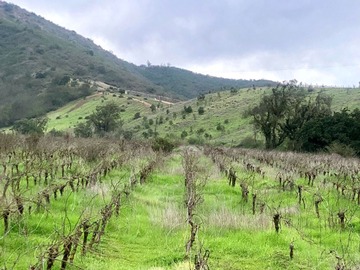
<point x="291" y="118"/>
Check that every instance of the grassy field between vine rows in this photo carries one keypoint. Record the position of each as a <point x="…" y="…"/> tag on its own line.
<point x="107" y="204"/>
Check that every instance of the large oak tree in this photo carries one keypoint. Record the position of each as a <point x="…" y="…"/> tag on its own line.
<point x="281" y="114"/>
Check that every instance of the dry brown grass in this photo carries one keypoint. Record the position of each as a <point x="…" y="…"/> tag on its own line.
<point x="290" y="210"/>
<point x="174" y="170"/>
<point x="179" y="266"/>
<point x="170" y="217"/>
<point x="223" y="218"/>
<point x="99" y="189"/>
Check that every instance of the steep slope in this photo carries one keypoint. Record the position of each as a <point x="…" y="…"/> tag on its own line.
<point x="37" y="58"/>
<point x="44" y="66"/>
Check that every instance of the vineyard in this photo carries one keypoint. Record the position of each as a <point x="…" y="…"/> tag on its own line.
<point x="70" y="203"/>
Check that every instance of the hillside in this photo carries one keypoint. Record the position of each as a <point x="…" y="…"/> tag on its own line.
<point x="222" y="122"/>
<point x="38" y="58"/>
<point x="187" y="84"/>
<point x="43" y="66"/>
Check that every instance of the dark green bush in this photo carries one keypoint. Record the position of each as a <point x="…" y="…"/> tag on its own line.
<point x="163" y="144"/>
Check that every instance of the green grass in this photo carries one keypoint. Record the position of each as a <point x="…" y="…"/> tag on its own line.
<point x="225" y="108"/>
<point x="244" y="244"/>
<point x="68" y="116"/>
<point x="151" y="230"/>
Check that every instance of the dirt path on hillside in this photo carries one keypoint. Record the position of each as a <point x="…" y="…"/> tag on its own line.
<point x="147" y="104"/>
<point x="165" y="102"/>
<point x="101" y="86"/>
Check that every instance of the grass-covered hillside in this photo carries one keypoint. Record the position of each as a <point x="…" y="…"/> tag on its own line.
<point x="38" y="59"/>
<point x="222" y="121"/>
<point x="44" y="66"/>
<point x="70" y="203"/>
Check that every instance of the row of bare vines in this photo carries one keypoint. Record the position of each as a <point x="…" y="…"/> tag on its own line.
<point x="326" y="185"/>
<point x="35" y="172"/>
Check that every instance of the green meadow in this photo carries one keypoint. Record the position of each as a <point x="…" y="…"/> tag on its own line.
<point x="223" y="122"/>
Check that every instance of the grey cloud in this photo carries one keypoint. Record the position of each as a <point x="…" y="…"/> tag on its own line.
<point x="280" y="34"/>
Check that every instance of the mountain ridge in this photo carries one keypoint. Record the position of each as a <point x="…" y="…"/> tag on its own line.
<point x="43" y="66"/>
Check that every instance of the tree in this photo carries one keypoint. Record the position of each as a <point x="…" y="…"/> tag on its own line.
<point x="268" y="115"/>
<point x="183" y="134"/>
<point x="201" y="110"/>
<point x="298" y="114"/>
<point x="153" y="108"/>
<point x="162" y="144"/>
<point x="83" y="129"/>
<point x="137" y="115"/>
<point x="31" y="126"/>
<point x="340" y="128"/>
<point x="188" y="109"/>
<point x="220" y="127"/>
<point x="106" y="118"/>
<point x="282" y="114"/>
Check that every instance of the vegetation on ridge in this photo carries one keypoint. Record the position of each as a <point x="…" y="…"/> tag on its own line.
<point x="211" y="119"/>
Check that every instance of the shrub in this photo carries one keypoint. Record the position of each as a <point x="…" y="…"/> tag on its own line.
<point x="196" y="140"/>
<point x="145" y="135"/>
<point x="137" y="115"/>
<point x="341" y="149"/>
<point x="56" y="133"/>
<point x="40" y="75"/>
<point x="220" y="127"/>
<point x="31" y="126"/>
<point x="63" y="80"/>
<point x="201" y="110"/>
<point x="208" y="136"/>
<point x="127" y="135"/>
<point x="83" y="130"/>
<point x="188" y="109"/>
<point x="161" y="120"/>
<point x="200" y="131"/>
<point x="183" y="134"/>
<point x="153" y="108"/>
<point x="233" y="90"/>
<point x="250" y="142"/>
<point x="162" y="144"/>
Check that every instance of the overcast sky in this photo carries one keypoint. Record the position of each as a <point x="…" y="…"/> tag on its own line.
<point x="312" y="41"/>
